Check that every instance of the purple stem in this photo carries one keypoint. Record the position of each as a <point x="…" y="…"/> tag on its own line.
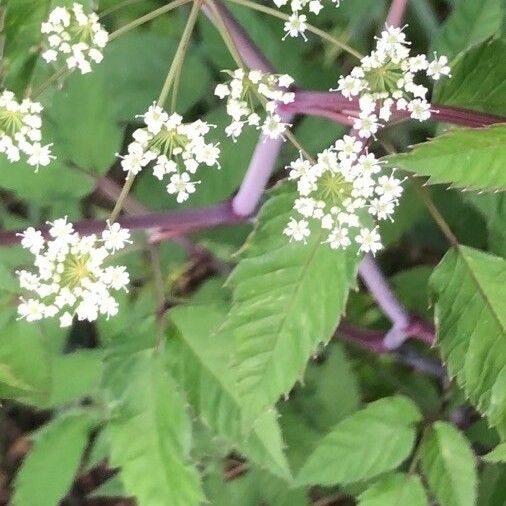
<point x="396" y="12"/>
<point x="331" y="104"/>
<point x="179" y="222"/>
<point x="267" y="150"/>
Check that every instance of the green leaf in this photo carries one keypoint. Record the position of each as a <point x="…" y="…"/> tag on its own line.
<point x="22" y="36"/>
<point x="478" y="79"/>
<point x="48" y="472"/>
<point x="150" y="432"/>
<point x="74" y="376"/>
<point x="24" y="376"/>
<point x="469" y="23"/>
<point x="369" y="442"/>
<point x="447" y="460"/>
<point x="469" y="290"/>
<point x="498" y="454"/>
<point x="85" y="123"/>
<point x="470" y="158"/>
<point x="200" y="358"/>
<point x="287" y="299"/>
<point x="397" y="489"/>
<point x="492" y="207"/>
<point x="135" y="66"/>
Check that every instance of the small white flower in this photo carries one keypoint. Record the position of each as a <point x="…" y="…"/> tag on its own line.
<point x="369" y="240"/>
<point x="295" y="26"/>
<point x="438" y="67"/>
<point x="32" y="240"/>
<point x="115" y="237"/>
<point x="181" y="184"/>
<point x="297" y="230"/>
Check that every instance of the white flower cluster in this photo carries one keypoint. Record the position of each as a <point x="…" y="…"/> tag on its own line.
<point x="336" y="190"/>
<point x="297" y="24"/>
<point x="177" y="148"/>
<point x="345" y="184"/>
<point x="247" y="88"/>
<point x="386" y="78"/>
<point x="20" y="125"/>
<point x="77" y="36"/>
<point x="71" y="278"/>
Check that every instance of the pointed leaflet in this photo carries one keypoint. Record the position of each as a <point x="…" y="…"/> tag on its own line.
<point x="447" y="460"/>
<point x="287" y="298"/>
<point x="469" y="22"/>
<point x="498" y="454"/>
<point x="150" y="433"/>
<point x="49" y="469"/>
<point x="471" y="158"/>
<point x="397" y="489"/>
<point x="201" y="362"/>
<point x="478" y="79"/>
<point x="369" y="442"/>
<point x="470" y="289"/>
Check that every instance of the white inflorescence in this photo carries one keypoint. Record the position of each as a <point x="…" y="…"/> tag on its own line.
<point x="71" y="278"/>
<point x="338" y="190"/>
<point x="297" y="24"/>
<point x="385" y="81"/>
<point x="346" y="183"/>
<point x="77" y="37"/>
<point x="177" y="149"/>
<point x="20" y="124"/>
<point x="244" y="90"/>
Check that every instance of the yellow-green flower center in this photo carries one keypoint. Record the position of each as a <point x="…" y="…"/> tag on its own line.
<point x="332" y="189"/>
<point x="75" y="269"/>
<point x="10" y="121"/>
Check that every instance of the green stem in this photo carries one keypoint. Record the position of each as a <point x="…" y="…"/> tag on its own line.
<point x="148" y="17"/>
<point x="225" y="34"/>
<point x="122" y="196"/>
<point x="434" y="212"/>
<point x="177" y="62"/>
<point x="280" y="15"/>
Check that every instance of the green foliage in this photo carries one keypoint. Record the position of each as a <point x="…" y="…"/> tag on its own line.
<point x="287" y="299"/>
<point x="150" y="431"/>
<point x="469" y="293"/>
<point x="476" y="157"/>
<point x="478" y="79"/>
<point x="498" y="454"/>
<point x="48" y="471"/>
<point x="469" y="23"/>
<point x="367" y="443"/>
<point x="202" y="361"/>
<point x="395" y="489"/>
<point x="448" y="464"/>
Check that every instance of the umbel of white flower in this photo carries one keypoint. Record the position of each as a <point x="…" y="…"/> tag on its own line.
<point x="74" y="36"/>
<point x="248" y="93"/>
<point x="71" y="278"/>
<point x="177" y="149"/>
<point x="385" y="82"/>
<point x="338" y="191"/>
<point x="297" y="23"/>
<point x="20" y="134"/>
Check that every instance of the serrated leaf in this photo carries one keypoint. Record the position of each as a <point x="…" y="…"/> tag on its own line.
<point x="201" y="360"/>
<point x="287" y="298"/>
<point x="150" y="432"/>
<point x="469" y="290"/>
<point x="470" y="22"/>
<point x="470" y="158"/>
<point x="397" y="489"/>
<point x="48" y="471"/>
<point x="498" y="454"/>
<point x="447" y="461"/>
<point x="478" y="79"/>
<point x="371" y="441"/>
